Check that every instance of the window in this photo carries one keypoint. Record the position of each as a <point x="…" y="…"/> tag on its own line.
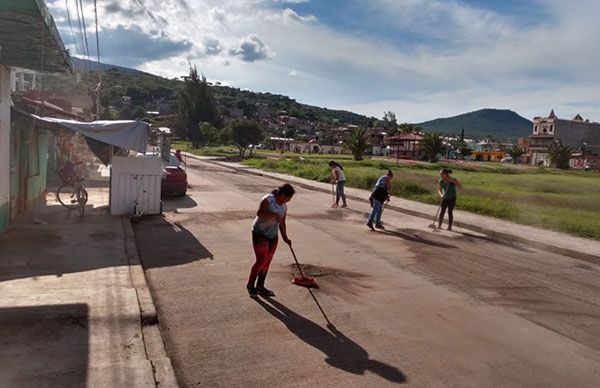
<point x="535" y="129"/>
<point x="545" y="130"/>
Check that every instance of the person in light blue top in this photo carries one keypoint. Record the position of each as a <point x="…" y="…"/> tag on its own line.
<point x="380" y="194"/>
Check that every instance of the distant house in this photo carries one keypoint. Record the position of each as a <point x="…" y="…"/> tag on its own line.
<point x="406" y="145"/>
<point x="26" y="29"/>
<point x="581" y="135"/>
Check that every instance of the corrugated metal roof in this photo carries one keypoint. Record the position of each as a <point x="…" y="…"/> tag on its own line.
<point x="25" y="27"/>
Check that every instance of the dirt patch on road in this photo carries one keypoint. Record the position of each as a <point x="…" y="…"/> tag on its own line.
<point x="336" y="282"/>
<point x="321" y="271"/>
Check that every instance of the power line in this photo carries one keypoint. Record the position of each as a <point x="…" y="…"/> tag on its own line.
<point x="71" y="27"/>
<point x="97" y="37"/>
<point x="87" y="47"/>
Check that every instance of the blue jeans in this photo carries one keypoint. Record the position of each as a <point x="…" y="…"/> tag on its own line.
<point x="375" y="215"/>
<point x="339" y="192"/>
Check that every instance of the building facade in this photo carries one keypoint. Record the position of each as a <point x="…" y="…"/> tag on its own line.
<point x="581" y="135"/>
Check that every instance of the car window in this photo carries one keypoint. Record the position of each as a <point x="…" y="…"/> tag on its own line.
<point x="173" y="161"/>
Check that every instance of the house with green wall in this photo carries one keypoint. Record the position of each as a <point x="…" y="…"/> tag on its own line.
<point x="28" y="40"/>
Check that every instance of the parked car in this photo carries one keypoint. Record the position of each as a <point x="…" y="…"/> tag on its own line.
<point x="174" y="178"/>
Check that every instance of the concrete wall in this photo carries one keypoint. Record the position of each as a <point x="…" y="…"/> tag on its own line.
<point x="4" y="147"/>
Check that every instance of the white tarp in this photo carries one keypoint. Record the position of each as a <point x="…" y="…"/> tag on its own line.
<point x="128" y="134"/>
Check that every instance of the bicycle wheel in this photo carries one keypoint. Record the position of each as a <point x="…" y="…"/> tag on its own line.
<point x="82" y="198"/>
<point x="66" y="196"/>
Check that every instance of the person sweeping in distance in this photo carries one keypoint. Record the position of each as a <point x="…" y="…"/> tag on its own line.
<point x="447" y="191"/>
<point x="269" y="221"/>
<point x="383" y="188"/>
<point x="339" y="179"/>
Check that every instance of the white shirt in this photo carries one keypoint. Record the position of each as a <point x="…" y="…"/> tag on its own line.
<point x="341" y="175"/>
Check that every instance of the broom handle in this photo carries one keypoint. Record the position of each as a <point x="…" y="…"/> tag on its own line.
<point x="332" y="193"/>
<point x="438" y="210"/>
<point x="296" y="260"/>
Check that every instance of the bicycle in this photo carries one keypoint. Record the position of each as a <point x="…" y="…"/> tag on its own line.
<point x="72" y="193"/>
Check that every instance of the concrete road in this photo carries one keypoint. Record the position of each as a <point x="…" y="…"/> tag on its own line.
<point x="408" y="305"/>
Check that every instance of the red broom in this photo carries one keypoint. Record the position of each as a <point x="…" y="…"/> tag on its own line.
<point x="303" y="281"/>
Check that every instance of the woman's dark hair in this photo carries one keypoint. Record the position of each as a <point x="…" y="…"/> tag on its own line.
<point x="286" y="190"/>
<point x="446" y="171"/>
<point x="390" y="173"/>
<point x="335" y="164"/>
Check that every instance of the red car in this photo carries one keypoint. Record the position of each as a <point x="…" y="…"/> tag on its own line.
<point x="174" y="179"/>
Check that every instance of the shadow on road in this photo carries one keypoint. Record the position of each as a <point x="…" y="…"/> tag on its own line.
<point x="44" y="346"/>
<point x="414" y="236"/>
<point x="341" y="351"/>
<point x="172" y="203"/>
<point x="163" y="244"/>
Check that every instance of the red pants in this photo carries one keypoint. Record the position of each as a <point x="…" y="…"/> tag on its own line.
<point x="264" y="249"/>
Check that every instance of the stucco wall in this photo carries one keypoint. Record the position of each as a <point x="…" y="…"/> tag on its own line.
<point x="4" y="147"/>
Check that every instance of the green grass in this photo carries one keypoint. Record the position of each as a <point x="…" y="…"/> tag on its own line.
<point x="566" y="201"/>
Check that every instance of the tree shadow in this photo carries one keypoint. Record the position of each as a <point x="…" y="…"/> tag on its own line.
<point x="171" y="203"/>
<point x="341" y="351"/>
<point x="44" y="346"/>
<point x="414" y="235"/>
<point x="163" y="244"/>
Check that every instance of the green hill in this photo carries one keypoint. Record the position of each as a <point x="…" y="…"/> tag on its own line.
<point x="497" y="123"/>
<point x="145" y="89"/>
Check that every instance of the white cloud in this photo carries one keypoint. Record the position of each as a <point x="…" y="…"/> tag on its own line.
<point x="440" y="57"/>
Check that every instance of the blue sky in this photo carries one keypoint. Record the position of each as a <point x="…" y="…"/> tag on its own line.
<point x="419" y="58"/>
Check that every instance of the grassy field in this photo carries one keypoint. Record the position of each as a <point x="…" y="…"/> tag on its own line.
<point x="566" y="201"/>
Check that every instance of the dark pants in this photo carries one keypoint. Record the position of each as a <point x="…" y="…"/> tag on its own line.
<point x="264" y="250"/>
<point x="339" y="192"/>
<point x="447" y="203"/>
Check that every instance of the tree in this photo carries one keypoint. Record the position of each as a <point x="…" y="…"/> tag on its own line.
<point x="432" y="145"/>
<point x="408" y="128"/>
<point x="243" y="133"/>
<point x="389" y="120"/>
<point x="515" y="153"/>
<point x="138" y="112"/>
<point x="208" y="134"/>
<point x="465" y="150"/>
<point x="125" y="113"/>
<point x="560" y="154"/>
<point x="357" y="142"/>
<point x="196" y="104"/>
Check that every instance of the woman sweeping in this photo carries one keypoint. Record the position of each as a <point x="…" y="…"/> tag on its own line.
<point x="383" y="187"/>
<point x="269" y="221"/>
<point x="339" y="178"/>
<point x="447" y="191"/>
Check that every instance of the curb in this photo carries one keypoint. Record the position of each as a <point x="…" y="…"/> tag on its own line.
<point x="476" y="228"/>
<point x="156" y="353"/>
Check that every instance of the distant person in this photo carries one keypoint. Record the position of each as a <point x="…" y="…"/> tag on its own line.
<point x="269" y="221"/>
<point x="179" y="157"/>
<point x="380" y="194"/>
<point x="447" y="191"/>
<point x="339" y="179"/>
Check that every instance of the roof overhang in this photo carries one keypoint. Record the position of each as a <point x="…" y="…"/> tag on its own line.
<point x="28" y="32"/>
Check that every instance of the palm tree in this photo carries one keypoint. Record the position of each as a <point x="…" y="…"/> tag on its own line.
<point x="515" y="153"/>
<point x="432" y="145"/>
<point x="560" y="154"/>
<point x="357" y="142"/>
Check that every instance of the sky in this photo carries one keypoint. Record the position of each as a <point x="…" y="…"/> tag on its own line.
<point x="421" y="59"/>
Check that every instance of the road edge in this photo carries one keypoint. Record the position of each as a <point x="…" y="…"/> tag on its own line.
<point x="154" y="345"/>
<point x="476" y="228"/>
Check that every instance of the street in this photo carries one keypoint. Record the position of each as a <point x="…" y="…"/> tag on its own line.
<point x="406" y="305"/>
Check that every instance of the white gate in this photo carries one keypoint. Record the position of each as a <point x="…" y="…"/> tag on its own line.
<point x="135" y="186"/>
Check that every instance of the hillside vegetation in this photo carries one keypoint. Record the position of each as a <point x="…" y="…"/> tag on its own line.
<point x="497" y="123"/>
